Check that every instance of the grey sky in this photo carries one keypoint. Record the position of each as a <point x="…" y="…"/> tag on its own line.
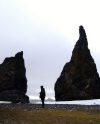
<point x="47" y="32"/>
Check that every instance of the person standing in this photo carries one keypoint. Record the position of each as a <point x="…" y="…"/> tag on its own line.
<point x="42" y="95"/>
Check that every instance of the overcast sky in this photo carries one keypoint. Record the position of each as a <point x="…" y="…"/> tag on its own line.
<point x="46" y="31"/>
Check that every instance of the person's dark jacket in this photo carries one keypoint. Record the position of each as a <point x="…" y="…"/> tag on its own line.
<point x="42" y="93"/>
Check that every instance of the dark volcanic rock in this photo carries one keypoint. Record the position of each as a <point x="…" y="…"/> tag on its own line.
<point x="15" y="96"/>
<point x="79" y="78"/>
<point x="13" y="82"/>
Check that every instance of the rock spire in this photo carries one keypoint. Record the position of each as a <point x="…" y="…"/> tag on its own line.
<point x="79" y="78"/>
<point x="13" y="82"/>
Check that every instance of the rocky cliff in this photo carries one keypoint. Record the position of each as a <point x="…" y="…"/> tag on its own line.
<point x="79" y="78"/>
<point x="13" y="82"/>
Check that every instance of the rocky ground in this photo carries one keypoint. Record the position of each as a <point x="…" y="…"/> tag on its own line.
<point x="51" y="114"/>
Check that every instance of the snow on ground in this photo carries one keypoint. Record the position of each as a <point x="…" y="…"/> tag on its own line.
<point x="78" y="102"/>
<point x="6" y="102"/>
<point x="36" y="100"/>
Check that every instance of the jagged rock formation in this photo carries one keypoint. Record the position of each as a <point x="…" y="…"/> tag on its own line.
<point x="13" y="82"/>
<point x="79" y="78"/>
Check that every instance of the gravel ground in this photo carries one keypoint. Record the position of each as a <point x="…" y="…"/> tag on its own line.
<point x="51" y="114"/>
<point x="29" y="107"/>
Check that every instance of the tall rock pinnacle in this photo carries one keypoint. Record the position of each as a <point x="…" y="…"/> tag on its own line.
<point x="79" y="78"/>
<point x="13" y="82"/>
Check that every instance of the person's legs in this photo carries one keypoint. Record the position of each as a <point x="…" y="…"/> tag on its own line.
<point x="42" y="103"/>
